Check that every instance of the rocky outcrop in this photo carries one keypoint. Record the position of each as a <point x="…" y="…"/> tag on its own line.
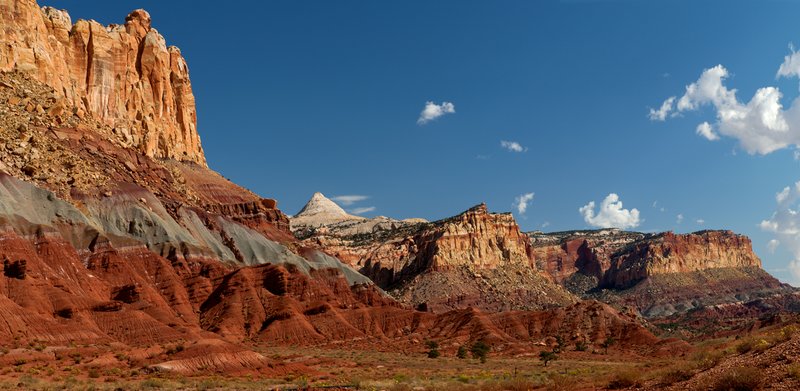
<point x="122" y="75"/>
<point x="618" y="259"/>
<point x="476" y="259"/>
<point x="663" y="276"/>
<point x="669" y="253"/>
<point x="564" y="254"/>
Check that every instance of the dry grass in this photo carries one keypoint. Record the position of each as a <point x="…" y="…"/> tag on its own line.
<point x="738" y="379"/>
<point x="625" y="378"/>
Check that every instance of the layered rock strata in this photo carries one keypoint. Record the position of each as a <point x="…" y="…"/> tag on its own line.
<point x="125" y="76"/>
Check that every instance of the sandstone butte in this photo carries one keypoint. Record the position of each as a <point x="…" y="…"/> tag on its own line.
<point x="123" y="75"/>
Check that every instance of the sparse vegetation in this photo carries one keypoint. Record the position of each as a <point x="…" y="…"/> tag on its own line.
<point x="607" y="343"/>
<point x="546" y="356"/>
<point x="560" y="344"/>
<point x="433" y="349"/>
<point x="625" y="379"/>
<point x="462" y="352"/>
<point x="480" y="350"/>
<point x="738" y="379"/>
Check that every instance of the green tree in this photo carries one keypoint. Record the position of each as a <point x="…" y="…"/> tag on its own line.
<point x="480" y="350"/>
<point x="607" y="343"/>
<point x="581" y="346"/>
<point x="546" y="356"/>
<point x="462" y="352"/>
<point x="433" y="349"/>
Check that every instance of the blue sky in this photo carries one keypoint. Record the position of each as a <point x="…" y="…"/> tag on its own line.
<point x="302" y="96"/>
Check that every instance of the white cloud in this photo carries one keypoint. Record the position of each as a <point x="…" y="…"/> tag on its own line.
<point x="707" y="131"/>
<point x="513" y="146"/>
<point x="358" y="211"/>
<point x="791" y="64"/>
<point x="545" y="224"/>
<point x="785" y="225"/>
<point x="663" y="111"/>
<point x="349" y="199"/>
<point x="761" y="125"/>
<point x="772" y="245"/>
<point x="611" y="214"/>
<point x="679" y="218"/>
<point x="433" y="111"/>
<point x="700" y="222"/>
<point x="796" y="155"/>
<point x="521" y="202"/>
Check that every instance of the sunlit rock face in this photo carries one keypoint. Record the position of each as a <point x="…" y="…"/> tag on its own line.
<point x="123" y="75"/>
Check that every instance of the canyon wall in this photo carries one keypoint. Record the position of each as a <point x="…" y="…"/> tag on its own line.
<point x="123" y="75"/>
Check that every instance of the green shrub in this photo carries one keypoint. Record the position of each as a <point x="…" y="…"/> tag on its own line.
<point x="433" y="349"/>
<point x="546" y="356"/>
<point x="462" y="352"/>
<point x="480" y="350"/>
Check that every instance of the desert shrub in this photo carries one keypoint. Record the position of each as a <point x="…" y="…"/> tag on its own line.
<point x="625" y="379"/>
<point x="175" y="349"/>
<point x="433" y="349"/>
<point x="558" y="382"/>
<point x="93" y="373"/>
<point x="707" y="359"/>
<point x="676" y="374"/>
<point x="581" y="346"/>
<point x="546" y="356"/>
<point x="462" y="352"/>
<point x="756" y="345"/>
<point x="786" y="333"/>
<point x="480" y="350"/>
<point x="793" y="370"/>
<point x="607" y="343"/>
<point x="738" y="379"/>
<point x="745" y="346"/>
<point x="37" y="346"/>
<point x="150" y="384"/>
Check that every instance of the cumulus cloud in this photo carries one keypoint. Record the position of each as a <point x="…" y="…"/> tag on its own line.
<point x="791" y="64"/>
<point x="513" y="146"/>
<point x="358" y="211"/>
<point x="700" y="222"/>
<point x="785" y="225"/>
<point x="611" y="214"/>
<point x="545" y="224"/>
<point x="521" y="202"/>
<point x="707" y="131"/>
<point x="679" y="218"/>
<point x="349" y="199"/>
<point x="761" y="125"/>
<point x="433" y="111"/>
<point x="663" y="111"/>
